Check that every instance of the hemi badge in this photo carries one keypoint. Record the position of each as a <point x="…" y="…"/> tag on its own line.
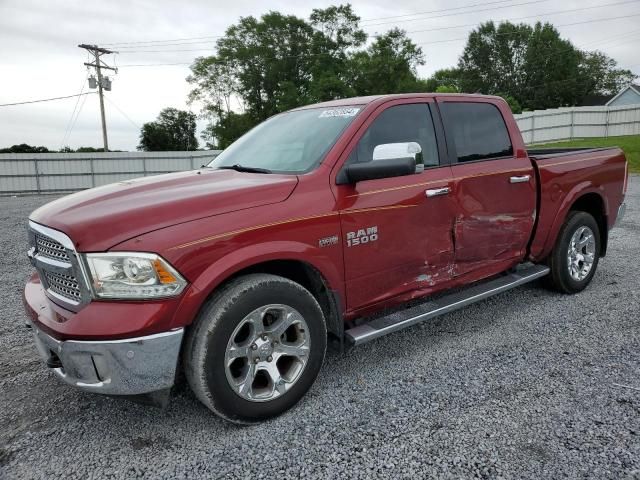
<point x="328" y="241"/>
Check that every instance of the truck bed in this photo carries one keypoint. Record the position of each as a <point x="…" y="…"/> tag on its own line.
<point x="542" y="153"/>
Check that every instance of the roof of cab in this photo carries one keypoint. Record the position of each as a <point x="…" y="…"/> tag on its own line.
<point x="343" y="102"/>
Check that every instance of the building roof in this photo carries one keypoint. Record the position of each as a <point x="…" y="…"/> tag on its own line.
<point x="633" y="86"/>
<point x="595" y="100"/>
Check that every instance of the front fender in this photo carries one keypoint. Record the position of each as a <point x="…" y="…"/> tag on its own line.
<point x="230" y="264"/>
<point x="252" y="255"/>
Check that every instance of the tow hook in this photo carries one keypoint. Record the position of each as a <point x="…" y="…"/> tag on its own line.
<point x="53" y="361"/>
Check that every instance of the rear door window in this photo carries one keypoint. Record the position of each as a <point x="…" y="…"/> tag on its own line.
<point x="478" y="131"/>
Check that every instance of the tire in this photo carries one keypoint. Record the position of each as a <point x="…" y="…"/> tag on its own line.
<point x="562" y="278"/>
<point x="242" y="374"/>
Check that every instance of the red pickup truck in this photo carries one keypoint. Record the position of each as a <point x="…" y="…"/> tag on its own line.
<point x="332" y="223"/>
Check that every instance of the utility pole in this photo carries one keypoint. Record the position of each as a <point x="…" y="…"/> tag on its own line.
<point x="99" y="65"/>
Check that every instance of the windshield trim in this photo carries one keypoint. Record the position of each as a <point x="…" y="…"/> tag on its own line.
<point x="322" y="158"/>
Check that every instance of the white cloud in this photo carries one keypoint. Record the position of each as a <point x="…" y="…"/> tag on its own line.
<point x="40" y="57"/>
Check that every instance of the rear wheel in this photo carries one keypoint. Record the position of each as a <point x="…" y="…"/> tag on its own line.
<point x="575" y="256"/>
<point x="256" y="348"/>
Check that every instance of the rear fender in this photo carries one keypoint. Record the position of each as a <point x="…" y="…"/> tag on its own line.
<point x="578" y="191"/>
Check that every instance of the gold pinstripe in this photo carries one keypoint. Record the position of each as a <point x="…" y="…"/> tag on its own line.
<point x="283" y="222"/>
<point x="574" y="161"/>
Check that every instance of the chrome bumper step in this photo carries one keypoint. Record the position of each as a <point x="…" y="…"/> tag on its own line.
<point x="448" y="303"/>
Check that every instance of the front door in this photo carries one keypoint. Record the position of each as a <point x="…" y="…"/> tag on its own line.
<point x="494" y="187"/>
<point x="397" y="240"/>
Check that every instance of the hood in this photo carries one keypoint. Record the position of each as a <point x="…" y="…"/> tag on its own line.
<point x="102" y="217"/>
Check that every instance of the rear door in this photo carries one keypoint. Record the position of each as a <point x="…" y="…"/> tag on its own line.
<point x="396" y="238"/>
<point x="493" y="184"/>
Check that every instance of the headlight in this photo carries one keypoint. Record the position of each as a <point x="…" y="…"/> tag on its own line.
<point x="132" y="275"/>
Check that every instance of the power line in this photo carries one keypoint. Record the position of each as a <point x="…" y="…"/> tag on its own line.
<point x="158" y="45"/>
<point x="450" y="27"/>
<point x="515" y="33"/>
<point x="169" y="51"/>
<point x="73" y="124"/>
<point x="155" y="64"/>
<point x="458" y="13"/>
<point x="176" y="42"/>
<point x="123" y="114"/>
<point x="209" y="38"/>
<point x="417" y="43"/>
<point x="481" y="4"/>
<point x="44" y="99"/>
<point x="558" y="12"/>
<point x="73" y="112"/>
<point x="167" y="40"/>
<point x="173" y="44"/>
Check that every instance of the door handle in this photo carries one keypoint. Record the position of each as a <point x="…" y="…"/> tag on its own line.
<point x="520" y="179"/>
<point x="435" y="192"/>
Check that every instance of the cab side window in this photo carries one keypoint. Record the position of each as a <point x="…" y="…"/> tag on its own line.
<point x="399" y="124"/>
<point x="478" y="130"/>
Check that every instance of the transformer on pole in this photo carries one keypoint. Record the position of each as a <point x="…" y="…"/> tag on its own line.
<point x="100" y="82"/>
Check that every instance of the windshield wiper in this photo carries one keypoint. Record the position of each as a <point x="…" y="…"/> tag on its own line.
<point x="242" y="168"/>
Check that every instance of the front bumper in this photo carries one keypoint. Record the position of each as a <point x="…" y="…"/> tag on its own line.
<point x="132" y="366"/>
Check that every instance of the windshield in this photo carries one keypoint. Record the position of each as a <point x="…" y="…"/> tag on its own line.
<point x="291" y="142"/>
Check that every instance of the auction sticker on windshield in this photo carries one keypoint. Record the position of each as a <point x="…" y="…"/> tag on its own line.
<point x="339" y="112"/>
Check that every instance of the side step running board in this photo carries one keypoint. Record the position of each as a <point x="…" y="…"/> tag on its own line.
<point x="448" y="303"/>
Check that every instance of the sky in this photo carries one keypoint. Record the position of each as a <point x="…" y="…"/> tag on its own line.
<point x="39" y="57"/>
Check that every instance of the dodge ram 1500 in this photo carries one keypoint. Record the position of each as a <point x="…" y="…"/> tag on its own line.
<point x="331" y="223"/>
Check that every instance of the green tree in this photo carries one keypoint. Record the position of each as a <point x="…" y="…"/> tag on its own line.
<point x="91" y="149"/>
<point x="173" y="130"/>
<point x="447" y="89"/>
<point x="337" y="34"/>
<point x="448" y="78"/>
<point x="534" y="66"/>
<point x="24" y="148"/>
<point x="279" y="62"/>
<point x="601" y="75"/>
<point x="226" y="129"/>
<point x="388" y="65"/>
<point x="513" y="103"/>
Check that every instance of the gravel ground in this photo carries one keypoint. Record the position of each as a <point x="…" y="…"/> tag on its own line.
<point x="530" y="384"/>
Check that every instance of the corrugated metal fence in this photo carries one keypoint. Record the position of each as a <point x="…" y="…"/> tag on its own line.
<point x="22" y="173"/>
<point x="542" y="126"/>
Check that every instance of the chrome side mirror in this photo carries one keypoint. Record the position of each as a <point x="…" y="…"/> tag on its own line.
<point x="391" y="151"/>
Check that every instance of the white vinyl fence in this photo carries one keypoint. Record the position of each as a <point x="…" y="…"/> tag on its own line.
<point x="542" y="126"/>
<point x="23" y="173"/>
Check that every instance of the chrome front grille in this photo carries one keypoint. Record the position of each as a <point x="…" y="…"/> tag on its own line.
<point x="58" y="265"/>
<point x="48" y="247"/>
<point x="65" y="285"/>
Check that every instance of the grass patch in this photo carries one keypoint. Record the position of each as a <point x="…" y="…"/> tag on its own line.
<point x="629" y="143"/>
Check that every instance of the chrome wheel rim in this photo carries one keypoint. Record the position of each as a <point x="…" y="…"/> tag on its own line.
<point x="267" y="352"/>
<point x="581" y="253"/>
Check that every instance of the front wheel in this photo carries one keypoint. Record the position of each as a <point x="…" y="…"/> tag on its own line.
<point x="255" y="348"/>
<point x="575" y="256"/>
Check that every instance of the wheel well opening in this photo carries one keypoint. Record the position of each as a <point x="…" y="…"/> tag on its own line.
<point x="311" y="279"/>
<point x="593" y="204"/>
